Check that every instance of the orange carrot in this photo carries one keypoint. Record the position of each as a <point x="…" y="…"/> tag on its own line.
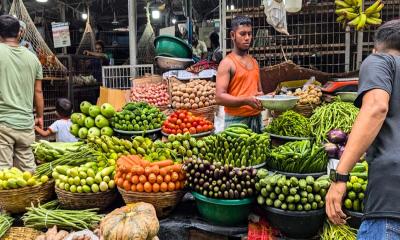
<point x="163" y="163"/>
<point x="167" y="169"/>
<point x="177" y="168"/>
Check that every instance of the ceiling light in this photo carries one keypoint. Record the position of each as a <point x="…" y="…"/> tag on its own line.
<point x="41" y="1"/>
<point x="173" y="20"/>
<point x="155" y="14"/>
<point x="232" y="7"/>
<point x="84" y="16"/>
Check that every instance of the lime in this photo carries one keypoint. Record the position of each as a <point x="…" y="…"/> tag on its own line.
<point x="26" y="175"/>
<point x="357" y="187"/>
<point x="77" y="180"/>
<point x="111" y="184"/>
<point x="79" y="189"/>
<point x="349" y="186"/>
<point x="291" y="207"/>
<point x="44" y="179"/>
<point x="269" y="202"/>
<point x="277" y="203"/>
<point x="353" y="179"/>
<point x="351" y="195"/>
<point x="103" y="186"/>
<point x="73" y="188"/>
<point x="89" y="181"/>
<point x="348" y="204"/>
<point x="95" y="188"/>
<point x="361" y="196"/>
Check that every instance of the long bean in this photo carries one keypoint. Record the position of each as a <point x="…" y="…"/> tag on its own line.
<point x="336" y="115"/>
<point x="290" y="124"/>
<point x="47" y="215"/>
<point x="5" y="223"/>
<point x="332" y="231"/>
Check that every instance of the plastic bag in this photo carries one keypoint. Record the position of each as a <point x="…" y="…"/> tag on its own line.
<point x="276" y="15"/>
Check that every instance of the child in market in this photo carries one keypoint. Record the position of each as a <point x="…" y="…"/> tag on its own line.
<point x="60" y="127"/>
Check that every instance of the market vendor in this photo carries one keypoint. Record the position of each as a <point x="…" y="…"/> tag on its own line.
<point x="20" y="87"/>
<point x="376" y="130"/>
<point x="238" y="79"/>
<point x="199" y="48"/>
<point x="102" y="60"/>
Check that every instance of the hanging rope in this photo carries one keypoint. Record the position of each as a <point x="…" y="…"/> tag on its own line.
<point x="146" y="52"/>
<point x="88" y="38"/>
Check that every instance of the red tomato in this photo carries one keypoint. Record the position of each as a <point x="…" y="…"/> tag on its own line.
<point x="192" y="130"/>
<point x="190" y="119"/>
<point x="185" y="120"/>
<point x="182" y="116"/>
<point x="182" y="126"/>
<point x="176" y="127"/>
<point x="199" y="128"/>
<point x="173" y="120"/>
<point x="188" y="125"/>
<point x="167" y="130"/>
<point x="173" y="131"/>
<point x="190" y="114"/>
<point x="171" y="125"/>
<point x="179" y="131"/>
<point x="178" y="122"/>
<point x="201" y="122"/>
<point x="195" y="124"/>
<point x="185" y="130"/>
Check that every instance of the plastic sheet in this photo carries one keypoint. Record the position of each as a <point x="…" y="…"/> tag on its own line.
<point x="276" y="15"/>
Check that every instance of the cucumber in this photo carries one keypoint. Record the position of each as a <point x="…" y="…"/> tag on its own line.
<point x="241" y="125"/>
<point x="362" y="175"/>
<point x="359" y="168"/>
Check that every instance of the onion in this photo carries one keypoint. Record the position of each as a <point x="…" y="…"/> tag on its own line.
<point x="337" y="136"/>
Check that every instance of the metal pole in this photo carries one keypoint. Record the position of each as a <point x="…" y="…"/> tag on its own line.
<point x="360" y="43"/>
<point x="222" y="35"/>
<point x="132" y="31"/>
<point x="189" y="11"/>
<point x="347" y="50"/>
<point x="63" y="19"/>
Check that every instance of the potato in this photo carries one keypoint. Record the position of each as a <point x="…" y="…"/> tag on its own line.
<point x="187" y="105"/>
<point x="192" y="96"/>
<point x="178" y="106"/>
<point x="191" y="101"/>
<point x="195" y="106"/>
<point x="196" y="100"/>
<point x="186" y="100"/>
<point x="186" y="95"/>
<point x="207" y="104"/>
<point x="201" y="104"/>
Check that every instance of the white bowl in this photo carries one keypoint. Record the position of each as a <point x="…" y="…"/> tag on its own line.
<point x="278" y="102"/>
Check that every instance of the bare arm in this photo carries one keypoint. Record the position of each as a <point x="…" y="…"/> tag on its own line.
<point x="43" y="133"/>
<point x="39" y="103"/>
<point x="95" y="54"/>
<point x="223" y="97"/>
<point x="373" y="112"/>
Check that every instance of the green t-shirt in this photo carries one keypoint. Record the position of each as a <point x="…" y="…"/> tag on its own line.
<point x="19" y="69"/>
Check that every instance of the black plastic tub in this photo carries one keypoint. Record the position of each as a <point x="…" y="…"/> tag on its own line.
<point x="296" y="224"/>
<point x="355" y="218"/>
<point x="300" y="175"/>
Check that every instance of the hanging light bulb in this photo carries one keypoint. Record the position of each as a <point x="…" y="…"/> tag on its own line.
<point x="173" y="20"/>
<point x="155" y="14"/>
<point x="293" y="6"/>
<point x="84" y="16"/>
<point x="232" y="7"/>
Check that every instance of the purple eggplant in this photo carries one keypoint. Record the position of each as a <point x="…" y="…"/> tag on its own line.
<point x="337" y="136"/>
<point x="340" y="151"/>
<point x="331" y="149"/>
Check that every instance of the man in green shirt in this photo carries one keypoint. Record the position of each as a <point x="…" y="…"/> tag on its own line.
<point x="20" y="85"/>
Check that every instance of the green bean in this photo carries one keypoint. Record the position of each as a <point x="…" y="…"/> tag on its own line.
<point x="290" y="124"/>
<point x="5" y="223"/>
<point x="332" y="231"/>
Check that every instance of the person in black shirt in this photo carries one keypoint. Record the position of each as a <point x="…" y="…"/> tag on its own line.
<point x="376" y="130"/>
<point x="101" y="59"/>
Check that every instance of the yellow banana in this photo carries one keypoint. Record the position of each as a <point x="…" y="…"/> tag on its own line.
<point x="374" y="21"/>
<point x="355" y="2"/>
<point x="361" y="23"/>
<point x="359" y="3"/>
<point x="350" y="16"/>
<point x="342" y="4"/>
<point x="373" y="7"/>
<point x="375" y="15"/>
<point x="355" y="21"/>
<point x="344" y="10"/>
<point x="340" y="18"/>
<point x="349" y="2"/>
<point x="379" y="8"/>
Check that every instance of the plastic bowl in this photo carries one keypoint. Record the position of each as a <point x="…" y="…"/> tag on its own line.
<point x="170" y="46"/>
<point x="294" y="224"/>
<point x="278" y="102"/>
<point x="347" y="96"/>
<point x="223" y="212"/>
<point x="355" y="218"/>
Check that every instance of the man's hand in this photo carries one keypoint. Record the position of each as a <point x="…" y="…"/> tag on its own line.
<point x="86" y="52"/>
<point x="254" y="103"/>
<point x="334" y="203"/>
<point x="39" y="122"/>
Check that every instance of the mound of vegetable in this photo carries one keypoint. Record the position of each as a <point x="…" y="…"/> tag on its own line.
<point x="336" y="115"/>
<point x="290" y="124"/>
<point x="193" y="95"/>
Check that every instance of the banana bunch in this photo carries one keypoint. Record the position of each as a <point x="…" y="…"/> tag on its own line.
<point x="350" y="13"/>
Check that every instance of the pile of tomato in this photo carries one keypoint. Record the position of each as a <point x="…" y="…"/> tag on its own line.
<point x="183" y="121"/>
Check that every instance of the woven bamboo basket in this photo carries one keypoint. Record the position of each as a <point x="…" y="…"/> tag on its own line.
<point x="100" y="200"/>
<point x="305" y="109"/>
<point x="16" y="200"/>
<point x="149" y="79"/>
<point x="21" y="233"/>
<point x="164" y="203"/>
<point x="206" y="112"/>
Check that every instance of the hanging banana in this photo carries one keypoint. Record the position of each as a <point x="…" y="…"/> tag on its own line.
<point x="350" y="13"/>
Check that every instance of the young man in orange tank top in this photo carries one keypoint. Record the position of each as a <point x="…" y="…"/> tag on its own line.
<point x="238" y="79"/>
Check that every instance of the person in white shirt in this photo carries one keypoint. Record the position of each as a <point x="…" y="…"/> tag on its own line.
<point x="60" y="127"/>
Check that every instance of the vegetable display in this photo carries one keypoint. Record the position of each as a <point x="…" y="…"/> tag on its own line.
<point x="14" y="178"/>
<point x="5" y="223"/>
<point x="181" y="147"/>
<point x="183" y="121"/>
<point x="93" y="121"/>
<point x="237" y="145"/>
<point x="336" y="115"/>
<point x="134" y="221"/>
<point x="311" y="94"/>
<point x="85" y="178"/>
<point x="193" y="95"/>
<point x="338" y="231"/>
<point x="356" y="188"/>
<point x="336" y="143"/>
<point x="49" y="214"/>
<point x="49" y="151"/>
<point x="138" y="116"/>
<point x="218" y="180"/>
<point x="138" y="175"/>
<point x="298" y="157"/>
<point x="83" y="155"/>
<point x="290" y="124"/>
<point x="292" y="194"/>
<point x="153" y="94"/>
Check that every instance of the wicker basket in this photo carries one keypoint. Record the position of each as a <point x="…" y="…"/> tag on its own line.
<point x="206" y="112"/>
<point x="305" y="109"/>
<point x="164" y="203"/>
<point x="99" y="200"/>
<point x="21" y="233"/>
<point x="16" y="200"/>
